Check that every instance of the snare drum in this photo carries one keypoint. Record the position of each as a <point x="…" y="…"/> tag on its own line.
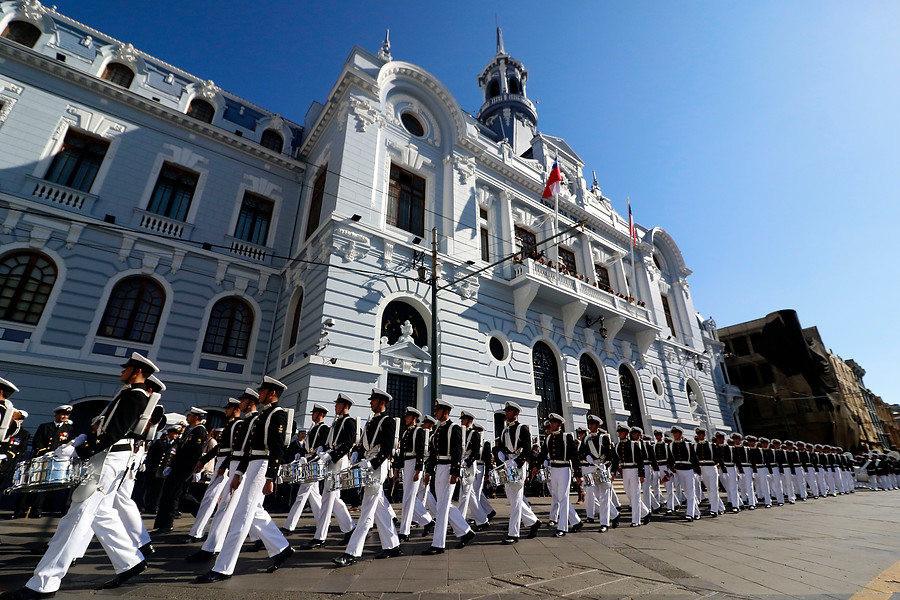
<point x="543" y="475"/>
<point x="312" y="472"/>
<point x="353" y="478"/>
<point x="504" y="475"/>
<point x="598" y="477"/>
<point x="46" y="473"/>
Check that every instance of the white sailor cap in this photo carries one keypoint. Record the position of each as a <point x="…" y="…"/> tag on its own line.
<point x="466" y="415"/>
<point x="66" y="408"/>
<point x="197" y="411"/>
<point x="430" y="419"/>
<point x="594" y="419"/>
<point x="657" y="431"/>
<point x="142" y="362"/>
<point x="8" y="386"/>
<point x="676" y="428"/>
<point x="477" y="426"/>
<point x="719" y="434"/>
<point x="776" y="441"/>
<point x="345" y="399"/>
<point x="555" y="417"/>
<point x="443" y="404"/>
<point x="512" y="406"/>
<point x="174" y="427"/>
<point x="621" y="427"/>
<point x="377" y="394"/>
<point x="271" y="383"/>
<point x="319" y="408"/>
<point x="232" y="402"/>
<point x="637" y="430"/>
<point x="700" y="430"/>
<point x="302" y="430"/>
<point x="250" y="393"/>
<point x="412" y="410"/>
<point x="158" y="386"/>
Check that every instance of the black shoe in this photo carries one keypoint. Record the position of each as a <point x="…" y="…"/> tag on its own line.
<point x="781" y="504"/>
<point x="466" y="540"/>
<point x="589" y="520"/>
<point x="532" y="531"/>
<point x="257" y="546"/>
<point x="735" y="510"/>
<point x="347" y="536"/>
<point x="510" y="540"/>
<point x="432" y="550"/>
<point x="189" y="539"/>
<point x="124" y="576"/>
<point x="147" y="550"/>
<point x="688" y="519"/>
<point x="403" y="537"/>
<point x="604" y="529"/>
<point x="312" y="545"/>
<point x="491" y="515"/>
<point x="344" y="560"/>
<point x="669" y="512"/>
<point x="285" y="531"/>
<point x="37" y="515"/>
<point x="615" y="522"/>
<point x="713" y="515"/>
<point x="576" y="527"/>
<point x="428" y="529"/>
<point x="482" y="527"/>
<point x="697" y="518"/>
<point x="645" y="520"/>
<point x="559" y="533"/>
<point x="635" y="524"/>
<point x="162" y="530"/>
<point x="200" y="556"/>
<point x="752" y="507"/>
<point x="279" y="559"/>
<point x="389" y="553"/>
<point x="396" y="522"/>
<point x="212" y="577"/>
<point x="551" y="523"/>
<point x="26" y="593"/>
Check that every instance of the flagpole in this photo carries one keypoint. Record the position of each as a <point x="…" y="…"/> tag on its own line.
<point x="632" y="232"/>
<point x="556" y="221"/>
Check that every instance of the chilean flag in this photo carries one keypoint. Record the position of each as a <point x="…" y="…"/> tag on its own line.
<point x="631" y="226"/>
<point x="552" y="187"/>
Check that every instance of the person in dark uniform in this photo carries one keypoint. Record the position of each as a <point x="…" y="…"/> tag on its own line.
<point x="630" y="466"/>
<point x="759" y="461"/>
<point x="561" y="452"/>
<point x="513" y="449"/>
<point x="108" y="449"/>
<point x="178" y="473"/>
<point x="254" y="478"/>
<point x="683" y="462"/>
<point x="411" y="461"/>
<point x="596" y="453"/>
<point x="48" y="437"/>
<point x="15" y="448"/>
<point x="376" y="447"/>
<point x="307" y="450"/>
<point x="710" y="460"/>
<point x="159" y="455"/>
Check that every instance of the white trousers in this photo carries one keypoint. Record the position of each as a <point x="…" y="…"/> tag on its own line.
<point x="374" y="511"/>
<point x="598" y="499"/>
<point x="820" y="480"/>
<point x="800" y="482"/>
<point x="763" y="485"/>
<point x="96" y="515"/>
<point x="410" y="495"/>
<point x="671" y="496"/>
<point x="632" y="483"/>
<point x="746" y="486"/>
<point x="249" y="512"/>
<point x="210" y="499"/>
<point x="560" y="480"/>
<point x="308" y="492"/>
<point x="709" y="474"/>
<point x="519" y="513"/>
<point x="787" y="483"/>
<point x="332" y="503"/>
<point x="729" y="480"/>
<point x="221" y="521"/>
<point x="483" y="504"/>
<point x="776" y="485"/>
<point x="446" y="512"/>
<point x="812" y="480"/>
<point x="685" y="479"/>
<point x="655" y="490"/>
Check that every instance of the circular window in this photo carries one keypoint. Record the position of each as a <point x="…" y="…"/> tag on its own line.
<point x="657" y="387"/>
<point x="412" y="124"/>
<point x="498" y="348"/>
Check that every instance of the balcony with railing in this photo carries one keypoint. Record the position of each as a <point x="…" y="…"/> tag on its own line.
<point x="162" y="225"/>
<point x="254" y="252"/>
<point x="54" y="194"/>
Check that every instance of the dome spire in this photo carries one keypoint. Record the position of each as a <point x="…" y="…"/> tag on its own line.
<point x="500" y="49"/>
<point x="385" y="52"/>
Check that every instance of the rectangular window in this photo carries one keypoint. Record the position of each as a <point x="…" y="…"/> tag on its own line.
<point x="77" y="162"/>
<point x="740" y="346"/>
<point x="254" y="219"/>
<point x="485" y="245"/>
<point x="483" y="213"/>
<point x="173" y="193"/>
<point x="668" y="311"/>
<point x="602" y="276"/>
<point x="406" y="203"/>
<point x="315" y="203"/>
<point x="525" y="239"/>
<point x="567" y="259"/>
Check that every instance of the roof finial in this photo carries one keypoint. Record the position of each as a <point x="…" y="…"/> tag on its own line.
<point x="500" y="49"/>
<point x="596" y="184"/>
<point x="385" y="52"/>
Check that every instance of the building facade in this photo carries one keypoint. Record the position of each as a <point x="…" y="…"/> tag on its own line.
<point x="312" y="260"/>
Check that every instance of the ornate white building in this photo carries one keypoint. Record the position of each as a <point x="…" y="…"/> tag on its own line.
<point x="227" y="242"/>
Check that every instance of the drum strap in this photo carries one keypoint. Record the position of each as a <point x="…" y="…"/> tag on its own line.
<point x="511" y="440"/>
<point x="8" y="410"/>
<point x="335" y="432"/>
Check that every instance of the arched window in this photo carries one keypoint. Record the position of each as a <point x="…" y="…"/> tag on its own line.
<point x="133" y="310"/>
<point x="395" y="315"/>
<point x="228" y="332"/>
<point x="26" y="279"/>
<point x="592" y="388"/>
<point x="494" y="89"/>
<point x="514" y="86"/>
<point x="272" y="140"/>
<point x="630" y="397"/>
<point x="201" y="110"/>
<point x="295" y="320"/>
<point x="546" y="381"/>
<point x="118" y="74"/>
<point x="22" y="32"/>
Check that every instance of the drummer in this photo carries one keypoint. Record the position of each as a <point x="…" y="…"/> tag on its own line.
<point x="514" y="451"/>
<point x="309" y="449"/>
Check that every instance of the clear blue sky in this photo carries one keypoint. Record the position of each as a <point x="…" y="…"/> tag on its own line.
<point x="764" y="135"/>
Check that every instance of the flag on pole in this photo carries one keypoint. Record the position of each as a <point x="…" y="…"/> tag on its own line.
<point x="552" y="187"/>
<point x="632" y="229"/>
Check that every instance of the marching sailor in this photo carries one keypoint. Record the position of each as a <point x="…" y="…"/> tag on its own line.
<point x="178" y="473"/>
<point x="220" y="469"/>
<point x="710" y="460"/>
<point x="469" y="488"/>
<point x="683" y="462"/>
<point x="377" y="447"/>
<point x="649" y="499"/>
<point x="745" y="475"/>
<point x="630" y="466"/>
<point x="410" y="460"/>
<point x="336" y="456"/>
<point x="483" y="466"/>
<point x="109" y="450"/>
<point x="444" y="467"/>
<point x="561" y="451"/>
<point x="729" y="473"/>
<point x="254" y="478"/>
<point x="760" y="460"/>
<point x="425" y="501"/>
<point x="597" y="455"/>
<point x="779" y="464"/>
<point x="514" y="449"/>
<point x="315" y="441"/>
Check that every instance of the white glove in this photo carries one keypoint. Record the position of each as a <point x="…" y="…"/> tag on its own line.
<point x="302" y="460"/>
<point x="511" y="464"/>
<point x="67" y="451"/>
<point x="142" y="468"/>
<point x="298" y="456"/>
<point x="364" y="464"/>
<point x="3" y="456"/>
<point x="354" y="457"/>
<point x="196" y="477"/>
<point x="166" y="471"/>
<point x="546" y="463"/>
<point x="279" y="479"/>
<point x="79" y="440"/>
<point x="589" y="459"/>
<point x="320" y="449"/>
<point x="325" y="457"/>
<point x="501" y="456"/>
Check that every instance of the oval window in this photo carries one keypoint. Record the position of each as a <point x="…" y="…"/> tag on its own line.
<point x="498" y="348"/>
<point x="412" y="124"/>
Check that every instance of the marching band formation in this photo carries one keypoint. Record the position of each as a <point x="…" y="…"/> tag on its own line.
<point x="431" y="456"/>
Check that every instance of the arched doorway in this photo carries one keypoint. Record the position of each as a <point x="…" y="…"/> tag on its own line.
<point x="395" y="315"/>
<point x="630" y="397"/>
<point x="592" y="388"/>
<point x="546" y="382"/>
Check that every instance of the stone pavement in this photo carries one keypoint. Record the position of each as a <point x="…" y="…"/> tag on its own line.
<point x="826" y="548"/>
